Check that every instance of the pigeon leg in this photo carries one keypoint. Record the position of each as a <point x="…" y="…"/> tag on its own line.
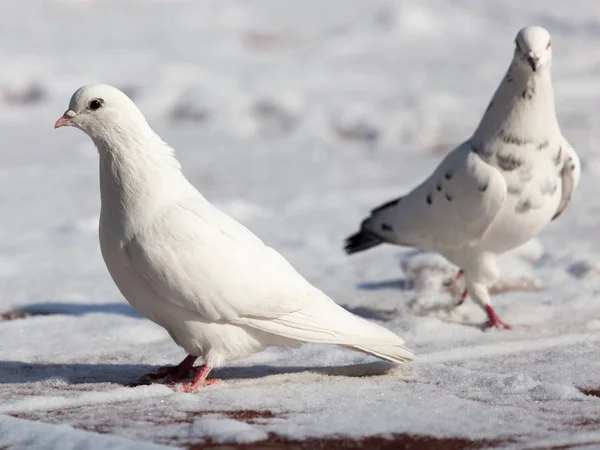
<point x="455" y="280"/>
<point x="479" y="293"/>
<point x="463" y="297"/>
<point x="171" y="373"/>
<point x="199" y="380"/>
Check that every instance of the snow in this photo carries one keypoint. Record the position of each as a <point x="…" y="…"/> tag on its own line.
<point x="226" y="430"/>
<point x="17" y="433"/>
<point x="295" y="118"/>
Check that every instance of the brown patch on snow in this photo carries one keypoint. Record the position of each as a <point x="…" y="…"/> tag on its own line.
<point x="592" y="392"/>
<point x="396" y="442"/>
<point x="17" y="315"/>
<point x="13" y="315"/>
<point x="253" y="417"/>
<point x="243" y="415"/>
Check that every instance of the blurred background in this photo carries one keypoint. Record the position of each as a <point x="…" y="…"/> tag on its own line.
<point x="295" y="117"/>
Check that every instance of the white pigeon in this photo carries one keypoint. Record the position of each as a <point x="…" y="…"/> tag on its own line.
<point x="495" y="191"/>
<point x="218" y="290"/>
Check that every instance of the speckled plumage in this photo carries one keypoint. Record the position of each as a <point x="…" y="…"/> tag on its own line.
<point x="498" y="189"/>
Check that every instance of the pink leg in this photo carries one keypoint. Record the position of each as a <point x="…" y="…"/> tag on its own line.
<point x="456" y="279"/>
<point x="463" y="297"/>
<point x="494" y="320"/>
<point x="171" y="373"/>
<point x="199" y="380"/>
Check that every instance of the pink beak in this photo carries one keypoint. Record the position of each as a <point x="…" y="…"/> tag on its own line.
<point x="65" y="119"/>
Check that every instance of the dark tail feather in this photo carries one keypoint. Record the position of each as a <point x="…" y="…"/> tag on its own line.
<point x="361" y="241"/>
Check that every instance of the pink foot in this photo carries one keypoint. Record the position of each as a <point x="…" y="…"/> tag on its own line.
<point x="191" y="386"/>
<point x="171" y="373"/>
<point x="494" y="321"/>
<point x="198" y="381"/>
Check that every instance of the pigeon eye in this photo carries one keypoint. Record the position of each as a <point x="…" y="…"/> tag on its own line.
<point x="95" y="104"/>
<point x="548" y="46"/>
<point x="517" y="44"/>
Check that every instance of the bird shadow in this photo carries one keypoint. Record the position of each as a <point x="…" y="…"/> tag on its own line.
<point x="78" y="309"/>
<point x="19" y="372"/>
<point x="384" y="315"/>
<point x="374" y="313"/>
<point x="350" y="370"/>
<point x="438" y="310"/>
<point x="396" y="283"/>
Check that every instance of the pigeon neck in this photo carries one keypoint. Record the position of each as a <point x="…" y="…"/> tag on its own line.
<point x="522" y="105"/>
<point x="135" y="181"/>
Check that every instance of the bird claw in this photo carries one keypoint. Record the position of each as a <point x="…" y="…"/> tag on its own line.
<point x="497" y="324"/>
<point x="198" y="381"/>
<point x="494" y="321"/>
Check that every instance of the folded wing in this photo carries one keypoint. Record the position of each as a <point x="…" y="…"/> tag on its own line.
<point x="570" y="174"/>
<point x="464" y="195"/>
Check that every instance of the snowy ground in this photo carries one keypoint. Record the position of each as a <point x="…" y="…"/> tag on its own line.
<point x="295" y="117"/>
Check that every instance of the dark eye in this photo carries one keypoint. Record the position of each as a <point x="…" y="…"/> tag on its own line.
<point x="517" y="44"/>
<point x="548" y="46"/>
<point x="95" y="104"/>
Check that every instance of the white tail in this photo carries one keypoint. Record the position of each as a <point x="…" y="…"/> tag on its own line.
<point x="326" y="322"/>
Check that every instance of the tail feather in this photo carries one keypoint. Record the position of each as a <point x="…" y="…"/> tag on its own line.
<point x="326" y="322"/>
<point x="367" y="236"/>
<point x="390" y="353"/>
<point x="360" y="241"/>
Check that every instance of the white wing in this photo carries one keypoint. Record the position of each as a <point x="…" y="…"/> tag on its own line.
<point x="453" y="208"/>
<point x="570" y="173"/>
<point x="195" y="256"/>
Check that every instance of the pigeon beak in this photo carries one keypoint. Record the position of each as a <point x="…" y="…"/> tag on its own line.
<point x="534" y="62"/>
<point x="66" y="118"/>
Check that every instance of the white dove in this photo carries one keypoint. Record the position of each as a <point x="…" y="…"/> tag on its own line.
<point x="495" y="191"/>
<point x="213" y="285"/>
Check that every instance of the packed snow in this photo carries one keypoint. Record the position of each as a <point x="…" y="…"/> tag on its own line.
<point x="294" y="117"/>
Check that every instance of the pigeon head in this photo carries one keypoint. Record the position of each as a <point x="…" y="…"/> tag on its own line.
<point x="533" y="49"/>
<point x="104" y="113"/>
